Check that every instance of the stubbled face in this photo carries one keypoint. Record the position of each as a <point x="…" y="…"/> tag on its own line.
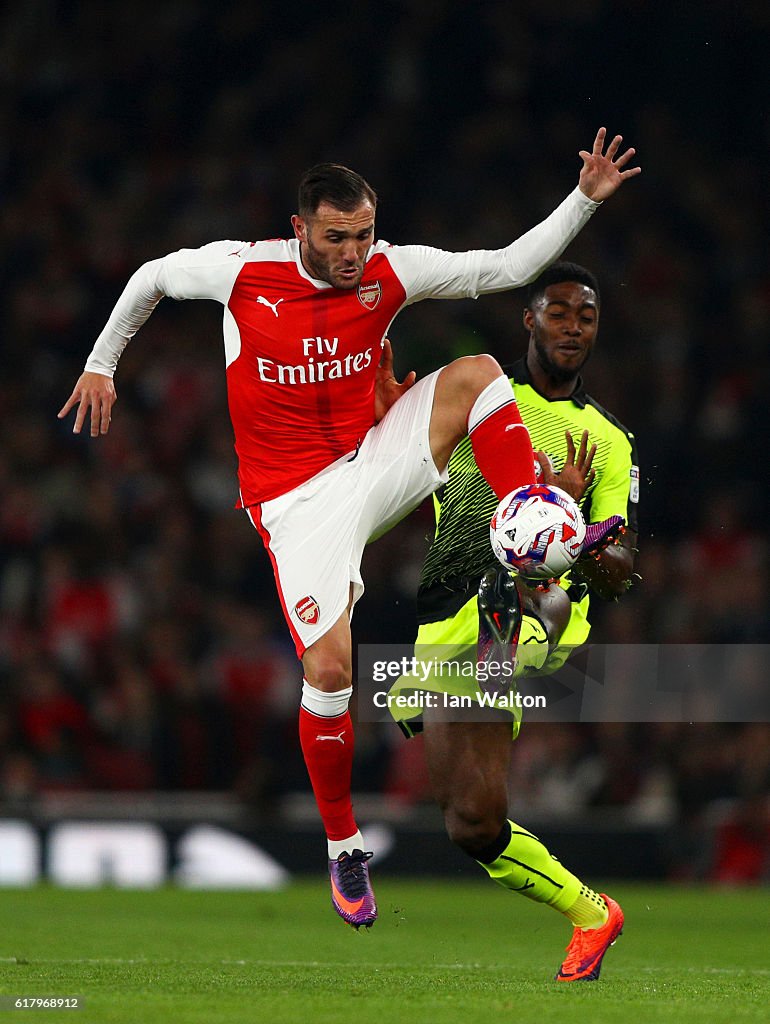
<point x="334" y="244"/>
<point x="563" y="324"/>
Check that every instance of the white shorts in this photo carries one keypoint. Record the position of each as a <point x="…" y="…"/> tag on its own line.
<point x="315" y="534"/>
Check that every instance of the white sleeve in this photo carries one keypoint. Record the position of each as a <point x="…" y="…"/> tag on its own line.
<point x="205" y="273"/>
<point x="428" y="273"/>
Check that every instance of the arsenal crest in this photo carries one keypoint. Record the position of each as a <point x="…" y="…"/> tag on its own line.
<point x="307" y="610"/>
<point x="369" y="295"/>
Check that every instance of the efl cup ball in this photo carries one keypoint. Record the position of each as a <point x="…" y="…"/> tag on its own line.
<point x="537" y="531"/>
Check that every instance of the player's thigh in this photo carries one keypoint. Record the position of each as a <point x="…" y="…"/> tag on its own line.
<point x="459" y="385"/>
<point x="328" y="661"/>
<point x="309" y="535"/>
<point x="397" y="468"/>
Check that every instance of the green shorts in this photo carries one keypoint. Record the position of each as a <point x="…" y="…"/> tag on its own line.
<point x="456" y="639"/>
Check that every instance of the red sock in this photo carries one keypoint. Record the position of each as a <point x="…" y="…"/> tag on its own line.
<point x="327" y="746"/>
<point x="503" y="450"/>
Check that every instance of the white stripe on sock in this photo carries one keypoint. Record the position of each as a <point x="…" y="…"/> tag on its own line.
<point x="325" y="705"/>
<point x="494" y="396"/>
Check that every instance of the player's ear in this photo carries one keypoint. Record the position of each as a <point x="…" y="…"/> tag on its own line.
<point x="529" y="319"/>
<point x="300" y="227"/>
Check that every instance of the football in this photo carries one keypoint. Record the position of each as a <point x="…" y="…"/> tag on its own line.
<point x="537" y="531"/>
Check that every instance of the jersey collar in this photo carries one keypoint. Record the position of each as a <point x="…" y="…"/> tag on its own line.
<point x="519" y="372"/>
<point x="294" y="247"/>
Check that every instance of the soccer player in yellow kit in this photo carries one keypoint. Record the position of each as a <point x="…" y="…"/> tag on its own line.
<point x="468" y="761"/>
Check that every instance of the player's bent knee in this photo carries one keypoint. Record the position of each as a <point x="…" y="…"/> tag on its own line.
<point x="328" y="673"/>
<point x="473" y="828"/>
<point x="551" y="607"/>
<point x="469" y="375"/>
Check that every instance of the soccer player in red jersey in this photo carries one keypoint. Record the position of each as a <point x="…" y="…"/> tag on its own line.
<point x="304" y="322"/>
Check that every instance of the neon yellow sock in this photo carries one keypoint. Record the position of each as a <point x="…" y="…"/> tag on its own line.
<point x="589" y="910"/>
<point x="526" y="866"/>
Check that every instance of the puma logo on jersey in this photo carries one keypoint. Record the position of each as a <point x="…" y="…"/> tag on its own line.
<point x="262" y="301"/>
<point x="338" y="737"/>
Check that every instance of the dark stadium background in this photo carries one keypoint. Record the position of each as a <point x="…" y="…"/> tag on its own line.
<point x="141" y="645"/>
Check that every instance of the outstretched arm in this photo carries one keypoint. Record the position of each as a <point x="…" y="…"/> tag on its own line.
<point x="94" y="389"/>
<point x="601" y="176"/>
<point x="433" y="273"/>
<point x="205" y="273"/>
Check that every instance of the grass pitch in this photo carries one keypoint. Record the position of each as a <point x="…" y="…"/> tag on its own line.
<point x="446" y="952"/>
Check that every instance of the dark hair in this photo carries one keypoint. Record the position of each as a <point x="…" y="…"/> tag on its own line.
<point x="334" y="184"/>
<point x="556" y="274"/>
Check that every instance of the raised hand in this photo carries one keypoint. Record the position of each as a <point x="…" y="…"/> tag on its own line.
<point x="387" y="389"/>
<point x="94" y="390"/>
<point x="577" y="474"/>
<point x="602" y="174"/>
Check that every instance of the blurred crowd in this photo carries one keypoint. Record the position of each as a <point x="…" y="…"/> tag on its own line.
<point x="141" y="644"/>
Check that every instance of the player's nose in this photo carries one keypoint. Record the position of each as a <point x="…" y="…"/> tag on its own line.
<point x="349" y="252"/>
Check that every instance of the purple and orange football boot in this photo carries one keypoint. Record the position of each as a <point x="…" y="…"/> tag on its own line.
<point x="352" y="895"/>
<point x="587" y="948"/>
<point x="600" y="535"/>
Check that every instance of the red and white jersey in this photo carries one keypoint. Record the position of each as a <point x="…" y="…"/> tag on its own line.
<point x="301" y="356"/>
